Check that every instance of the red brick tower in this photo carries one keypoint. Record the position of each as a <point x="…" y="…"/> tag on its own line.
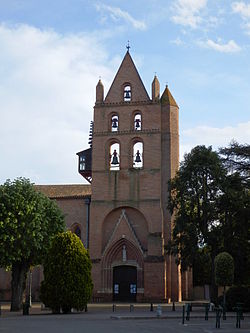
<point x="135" y="151"/>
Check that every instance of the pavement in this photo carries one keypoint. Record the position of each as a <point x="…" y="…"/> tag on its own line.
<point x="119" y="318"/>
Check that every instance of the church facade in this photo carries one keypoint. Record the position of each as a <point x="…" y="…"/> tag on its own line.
<point x="122" y="215"/>
<point x="133" y="154"/>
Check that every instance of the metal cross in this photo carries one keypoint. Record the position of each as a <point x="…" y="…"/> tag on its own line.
<point x="128" y="47"/>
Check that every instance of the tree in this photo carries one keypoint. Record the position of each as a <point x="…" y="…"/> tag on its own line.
<point x="236" y="158"/>
<point x="224" y="271"/>
<point x="210" y="202"/>
<point x="67" y="274"/>
<point x="235" y="208"/>
<point x="28" y="221"/>
<point x="194" y="195"/>
<point x="234" y="226"/>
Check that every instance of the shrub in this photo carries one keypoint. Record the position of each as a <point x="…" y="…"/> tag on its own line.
<point x="67" y="274"/>
<point x="238" y="294"/>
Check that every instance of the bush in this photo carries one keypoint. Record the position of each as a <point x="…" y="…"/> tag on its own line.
<point x="67" y="275"/>
<point x="224" y="269"/>
<point x="238" y="294"/>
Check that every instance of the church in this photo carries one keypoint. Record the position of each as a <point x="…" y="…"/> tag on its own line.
<point x="122" y="215"/>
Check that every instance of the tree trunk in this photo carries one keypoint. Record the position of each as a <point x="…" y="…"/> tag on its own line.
<point x="18" y="283"/>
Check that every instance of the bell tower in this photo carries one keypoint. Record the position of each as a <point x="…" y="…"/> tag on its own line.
<point x="135" y="151"/>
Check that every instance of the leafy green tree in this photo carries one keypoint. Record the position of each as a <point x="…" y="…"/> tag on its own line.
<point x="28" y="221"/>
<point x="234" y="207"/>
<point x="210" y="200"/>
<point x="202" y="267"/>
<point x="224" y="271"/>
<point x="236" y="157"/>
<point x="194" y="195"/>
<point x="67" y="274"/>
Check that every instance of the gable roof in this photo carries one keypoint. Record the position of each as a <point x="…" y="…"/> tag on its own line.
<point x="127" y="73"/>
<point x="65" y="191"/>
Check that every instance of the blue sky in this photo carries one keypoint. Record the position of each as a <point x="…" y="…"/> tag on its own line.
<point x="53" y="52"/>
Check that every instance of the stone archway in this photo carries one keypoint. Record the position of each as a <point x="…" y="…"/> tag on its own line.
<point x="123" y="256"/>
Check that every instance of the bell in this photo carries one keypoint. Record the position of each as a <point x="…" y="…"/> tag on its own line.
<point x="114" y="122"/>
<point x="137" y="123"/>
<point x="127" y="94"/>
<point x="138" y="157"/>
<point x="115" y="158"/>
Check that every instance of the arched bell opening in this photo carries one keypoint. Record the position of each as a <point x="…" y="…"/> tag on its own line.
<point x="137" y="151"/>
<point x="114" y="123"/>
<point x="114" y="156"/>
<point x="127" y="93"/>
<point x="137" y="122"/>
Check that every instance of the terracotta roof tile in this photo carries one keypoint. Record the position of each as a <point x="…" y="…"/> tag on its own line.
<point x="65" y="191"/>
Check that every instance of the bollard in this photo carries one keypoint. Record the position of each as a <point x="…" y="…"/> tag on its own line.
<point x="238" y="319"/>
<point x="239" y="314"/>
<point x="26" y="307"/>
<point x="188" y="308"/>
<point x="183" y="314"/>
<point x="131" y="308"/>
<point x="206" y="311"/>
<point x="0" y="309"/>
<point x="151" y="307"/>
<point x="86" y="308"/>
<point x="159" y="310"/>
<point x="224" y="316"/>
<point x="173" y="307"/>
<point x="218" y="315"/>
<point x="114" y="309"/>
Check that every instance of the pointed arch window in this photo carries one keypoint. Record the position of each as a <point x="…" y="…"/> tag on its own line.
<point x="114" y="156"/>
<point x="78" y="231"/>
<point x="114" y="123"/>
<point x="127" y="93"/>
<point x="138" y="155"/>
<point x="137" y="122"/>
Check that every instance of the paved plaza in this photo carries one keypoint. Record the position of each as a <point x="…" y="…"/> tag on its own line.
<point x="102" y="319"/>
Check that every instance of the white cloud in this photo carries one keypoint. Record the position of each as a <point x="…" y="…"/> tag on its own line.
<point x="243" y="9"/>
<point x="213" y="136"/>
<point x="178" y="41"/>
<point x="188" y="12"/>
<point x="116" y="14"/>
<point x="47" y="91"/>
<point x="230" y="47"/>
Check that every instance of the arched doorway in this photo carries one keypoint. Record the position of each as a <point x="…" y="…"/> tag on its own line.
<point x="124" y="283"/>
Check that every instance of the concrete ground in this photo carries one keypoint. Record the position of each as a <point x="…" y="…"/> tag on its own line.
<point x="101" y="318"/>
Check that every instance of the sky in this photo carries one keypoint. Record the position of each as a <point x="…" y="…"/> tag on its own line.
<point x="53" y="52"/>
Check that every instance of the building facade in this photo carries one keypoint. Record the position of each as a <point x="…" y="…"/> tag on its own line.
<point x="133" y="154"/>
<point x="122" y="216"/>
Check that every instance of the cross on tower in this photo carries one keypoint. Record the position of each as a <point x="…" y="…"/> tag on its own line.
<point x="128" y="47"/>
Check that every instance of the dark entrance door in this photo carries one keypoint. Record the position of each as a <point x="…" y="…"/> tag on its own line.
<point x="124" y="283"/>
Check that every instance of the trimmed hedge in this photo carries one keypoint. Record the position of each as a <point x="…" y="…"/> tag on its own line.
<point x="238" y="294"/>
<point x="67" y="275"/>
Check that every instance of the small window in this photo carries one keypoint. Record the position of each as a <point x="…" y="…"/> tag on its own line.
<point x="138" y="155"/>
<point x="115" y="156"/>
<point x="114" y="123"/>
<point x="137" y="122"/>
<point x="127" y="93"/>
<point x="78" y="232"/>
<point x="82" y="163"/>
